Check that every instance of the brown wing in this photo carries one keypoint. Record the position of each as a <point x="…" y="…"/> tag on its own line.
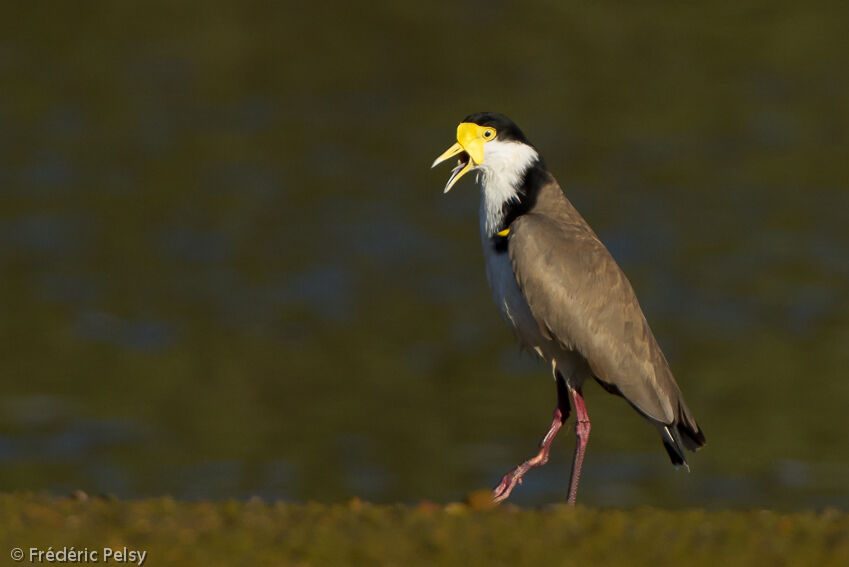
<point x="582" y="299"/>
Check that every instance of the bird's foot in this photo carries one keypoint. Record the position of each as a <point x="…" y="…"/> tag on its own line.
<point x="501" y="492"/>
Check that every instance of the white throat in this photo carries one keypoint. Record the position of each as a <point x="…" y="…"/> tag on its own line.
<point x="500" y="175"/>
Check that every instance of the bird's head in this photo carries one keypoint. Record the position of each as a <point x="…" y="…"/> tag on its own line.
<point x="491" y="143"/>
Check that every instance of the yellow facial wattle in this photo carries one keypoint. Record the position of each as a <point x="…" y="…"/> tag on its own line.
<point x="471" y="138"/>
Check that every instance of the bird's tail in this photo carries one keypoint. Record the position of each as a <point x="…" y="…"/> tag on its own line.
<point x="683" y="431"/>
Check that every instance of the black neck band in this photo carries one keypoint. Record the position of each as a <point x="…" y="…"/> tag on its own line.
<point x="532" y="181"/>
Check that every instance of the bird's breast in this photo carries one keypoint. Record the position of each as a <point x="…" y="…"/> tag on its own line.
<point x="506" y="293"/>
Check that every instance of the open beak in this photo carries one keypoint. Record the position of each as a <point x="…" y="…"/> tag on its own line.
<point x="469" y="148"/>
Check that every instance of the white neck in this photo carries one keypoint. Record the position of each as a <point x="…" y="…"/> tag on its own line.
<point x="500" y="176"/>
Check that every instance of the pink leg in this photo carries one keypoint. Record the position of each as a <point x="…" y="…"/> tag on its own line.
<point x="511" y="479"/>
<point x="582" y="435"/>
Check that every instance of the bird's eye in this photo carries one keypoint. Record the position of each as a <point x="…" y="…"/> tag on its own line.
<point x="489" y="133"/>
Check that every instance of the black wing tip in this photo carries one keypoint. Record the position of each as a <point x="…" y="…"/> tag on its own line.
<point x="674" y="436"/>
<point x="691" y="435"/>
<point x="676" y="454"/>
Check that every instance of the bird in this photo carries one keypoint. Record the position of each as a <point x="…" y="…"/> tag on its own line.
<point x="563" y="294"/>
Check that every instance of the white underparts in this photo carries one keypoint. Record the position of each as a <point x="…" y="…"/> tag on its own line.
<point x="500" y="176"/>
<point x="509" y="298"/>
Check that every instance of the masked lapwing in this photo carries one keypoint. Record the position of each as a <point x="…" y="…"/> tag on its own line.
<point x="563" y="294"/>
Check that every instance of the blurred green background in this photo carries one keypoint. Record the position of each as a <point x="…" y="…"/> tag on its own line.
<point x="227" y="269"/>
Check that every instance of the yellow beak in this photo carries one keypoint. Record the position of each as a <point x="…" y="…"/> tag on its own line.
<point x="470" y="140"/>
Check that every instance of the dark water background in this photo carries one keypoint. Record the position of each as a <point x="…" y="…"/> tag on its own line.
<point x="228" y="271"/>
